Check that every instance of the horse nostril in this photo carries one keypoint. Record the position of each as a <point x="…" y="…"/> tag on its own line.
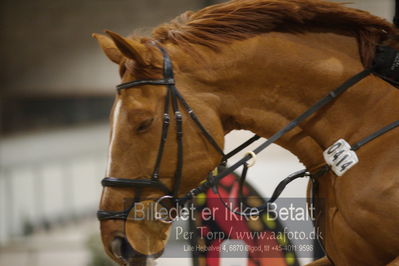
<point x="122" y="250"/>
<point x="116" y="248"/>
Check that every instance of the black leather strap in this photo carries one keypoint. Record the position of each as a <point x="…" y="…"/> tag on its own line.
<point x="179" y="140"/>
<point x="136" y="83"/>
<point x="164" y="136"/>
<point x="196" y="120"/>
<point x="133" y="183"/>
<point x="112" y="215"/>
<point x="241" y="147"/>
<point x="168" y="74"/>
<point x="375" y="135"/>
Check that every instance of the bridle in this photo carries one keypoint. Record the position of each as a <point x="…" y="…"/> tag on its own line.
<point x="174" y="97"/>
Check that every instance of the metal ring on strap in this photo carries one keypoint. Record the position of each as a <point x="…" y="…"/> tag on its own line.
<point x="158" y="202"/>
<point x="253" y="159"/>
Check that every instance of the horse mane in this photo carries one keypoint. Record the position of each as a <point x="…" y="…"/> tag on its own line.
<point x="241" y="19"/>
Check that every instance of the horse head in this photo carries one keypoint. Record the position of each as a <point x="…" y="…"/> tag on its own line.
<point x="137" y="125"/>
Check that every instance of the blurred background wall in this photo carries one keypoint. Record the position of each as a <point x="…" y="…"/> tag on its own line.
<point x="56" y="91"/>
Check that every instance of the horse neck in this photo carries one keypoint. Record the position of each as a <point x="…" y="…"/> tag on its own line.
<point x="266" y="82"/>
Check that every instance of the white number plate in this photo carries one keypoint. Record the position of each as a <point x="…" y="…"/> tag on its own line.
<point x="340" y="157"/>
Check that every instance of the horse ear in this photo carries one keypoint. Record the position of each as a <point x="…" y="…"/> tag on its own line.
<point x="130" y="48"/>
<point x="109" y="47"/>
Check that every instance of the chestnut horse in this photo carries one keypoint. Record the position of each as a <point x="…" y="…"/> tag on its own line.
<point x="256" y="65"/>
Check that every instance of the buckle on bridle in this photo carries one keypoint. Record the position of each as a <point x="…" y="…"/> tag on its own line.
<point x="170" y="81"/>
<point x="158" y="218"/>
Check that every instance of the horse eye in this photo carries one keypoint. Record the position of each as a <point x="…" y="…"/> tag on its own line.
<point x="143" y="126"/>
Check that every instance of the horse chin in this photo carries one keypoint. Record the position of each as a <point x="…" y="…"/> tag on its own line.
<point x="147" y="236"/>
<point x="126" y="255"/>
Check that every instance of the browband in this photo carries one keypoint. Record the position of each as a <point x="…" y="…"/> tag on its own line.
<point x="131" y="84"/>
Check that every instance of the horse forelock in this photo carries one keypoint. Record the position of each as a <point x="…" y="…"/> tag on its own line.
<point x="151" y="71"/>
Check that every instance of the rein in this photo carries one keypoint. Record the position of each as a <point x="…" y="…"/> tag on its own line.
<point x="174" y="97"/>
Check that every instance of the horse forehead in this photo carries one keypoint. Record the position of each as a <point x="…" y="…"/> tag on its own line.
<point x="123" y="105"/>
<point x="138" y="96"/>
